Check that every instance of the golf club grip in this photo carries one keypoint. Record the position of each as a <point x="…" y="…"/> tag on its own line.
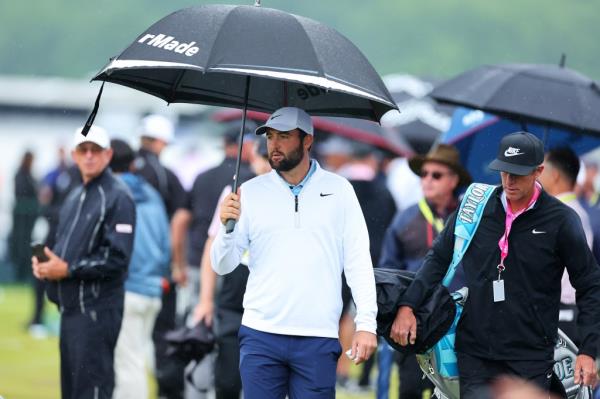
<point x="229" y="225"/>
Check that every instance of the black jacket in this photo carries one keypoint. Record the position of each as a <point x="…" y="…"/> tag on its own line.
<point x="542" y="242"/>
<point x="378" y="208"/>
<point x="434" y="316"/>
<point x="204" y="198"/>
<point x="163" y="180"/>
<point x="95" y="237"/>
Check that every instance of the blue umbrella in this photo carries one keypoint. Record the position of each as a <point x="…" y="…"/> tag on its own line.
<point x="477" y="135"/>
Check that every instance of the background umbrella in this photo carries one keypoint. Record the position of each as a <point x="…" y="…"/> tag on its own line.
<point x="477" y="135"/>
<point x="368" y="132"/>
<point x="545" y="94"/>
<point x="250" y="57"/>
<point x="422" y="119"/>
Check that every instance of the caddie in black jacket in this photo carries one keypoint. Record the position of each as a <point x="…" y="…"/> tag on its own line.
<point x="516" y="335"/>
<point x="87" y="269"/>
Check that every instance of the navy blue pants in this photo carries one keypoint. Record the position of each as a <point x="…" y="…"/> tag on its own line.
<point x="87" y="346"/>
<point x="477" y="375"/>
<point x="273" y="366"/>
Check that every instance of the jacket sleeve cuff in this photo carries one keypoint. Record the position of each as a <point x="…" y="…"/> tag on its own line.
<point x="367" y="326"/>
<point x="589" y="350"/>
<point x="70" y="271"/>
<point x="226" y="236"/>
<point x="407" y="303"/>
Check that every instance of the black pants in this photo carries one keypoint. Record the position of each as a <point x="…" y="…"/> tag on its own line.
<point x="477" y="375"/>
<point x="87" y="347"/>
<point x="412" y="383"/>
<point x="228" y="384"/>
<point x="39" y="290"/>
<point x="169" y="372"/>
<point x="364" y="379"/>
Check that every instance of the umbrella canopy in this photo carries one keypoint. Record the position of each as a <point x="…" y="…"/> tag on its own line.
<point x="477" y="136"/>
<point x="360" y="130"/>
<point x="544" y="94"/>
<point x="249" y="57"/>
<point x="205" y="54"/>
<point x="422" y="120"/>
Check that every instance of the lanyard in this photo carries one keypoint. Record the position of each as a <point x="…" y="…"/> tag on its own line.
<point x="510" y="218"/>
<point x="594" y="200"/>
<point x="436" y="222"/>
<point x="567" y="197"/>
<point x="432" y="221"/>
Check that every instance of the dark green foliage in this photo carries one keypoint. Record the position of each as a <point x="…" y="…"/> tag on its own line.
<point x="426" y="37"/>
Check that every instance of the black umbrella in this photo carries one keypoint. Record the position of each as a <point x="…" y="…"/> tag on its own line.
<point x="422" y="119"/>
<point x="250" y="57"/>
<point x="203" y="55"/>
<point x="544" y="94"/>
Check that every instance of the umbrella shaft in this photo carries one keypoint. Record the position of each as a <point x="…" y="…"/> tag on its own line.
<point x="241" y="136"/>
<point x="231" y="223"/>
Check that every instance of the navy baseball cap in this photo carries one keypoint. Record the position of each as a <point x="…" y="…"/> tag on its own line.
<point x="286" y="119"/>
<point x="519" y="154"/>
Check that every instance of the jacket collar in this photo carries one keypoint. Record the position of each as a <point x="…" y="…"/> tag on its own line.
<point x="102" y="177"/>
<point x="500" y="193"/>
<point x="144" y="153"/>
<point x="276" y="177"/>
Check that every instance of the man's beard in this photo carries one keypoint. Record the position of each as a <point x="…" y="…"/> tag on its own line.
<point x="289" y="161"/>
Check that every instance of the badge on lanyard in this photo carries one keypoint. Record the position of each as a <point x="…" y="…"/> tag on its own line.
<point x="498" y="290"/>
<point x="498" y="285"/>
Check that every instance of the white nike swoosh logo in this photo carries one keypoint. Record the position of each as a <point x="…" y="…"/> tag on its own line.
<point x="534" y="231"/>
<point x="512" y="154"/>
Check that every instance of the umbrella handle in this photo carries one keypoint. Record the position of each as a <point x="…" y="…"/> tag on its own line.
<point x="230" y="224"/>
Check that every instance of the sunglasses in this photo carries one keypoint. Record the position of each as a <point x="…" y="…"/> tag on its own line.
<point x="94" y="149"/>
<point x="434" y="175"/>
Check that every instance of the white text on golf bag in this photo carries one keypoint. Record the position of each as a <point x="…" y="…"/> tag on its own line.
<point x="168" y="43"/>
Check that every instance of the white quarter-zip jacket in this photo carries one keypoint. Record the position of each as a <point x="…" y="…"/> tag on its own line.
<point x="299" y="247"/>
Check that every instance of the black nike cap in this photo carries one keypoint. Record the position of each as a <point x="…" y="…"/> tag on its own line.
<point x="519" y="154"/>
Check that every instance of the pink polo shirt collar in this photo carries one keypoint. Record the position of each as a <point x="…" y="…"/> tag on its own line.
<point x="510" y="218"/>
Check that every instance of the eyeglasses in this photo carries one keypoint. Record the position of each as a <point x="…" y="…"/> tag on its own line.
<point x="434" y="175"/>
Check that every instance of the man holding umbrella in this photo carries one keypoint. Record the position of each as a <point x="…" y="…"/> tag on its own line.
<point x="513" y="269"/>
<point x="302" y="226"/>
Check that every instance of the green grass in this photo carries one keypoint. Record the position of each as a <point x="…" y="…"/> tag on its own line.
<point x="30" y="368"/>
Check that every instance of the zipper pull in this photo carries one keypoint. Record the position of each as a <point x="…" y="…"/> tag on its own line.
<point x="296" y="214"/>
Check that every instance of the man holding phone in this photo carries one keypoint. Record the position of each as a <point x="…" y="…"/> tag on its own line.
<point x="37" y="250"/>
<point x="86" y="269"/>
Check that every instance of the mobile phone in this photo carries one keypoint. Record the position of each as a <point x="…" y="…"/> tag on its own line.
<point x="37" y="250"/>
